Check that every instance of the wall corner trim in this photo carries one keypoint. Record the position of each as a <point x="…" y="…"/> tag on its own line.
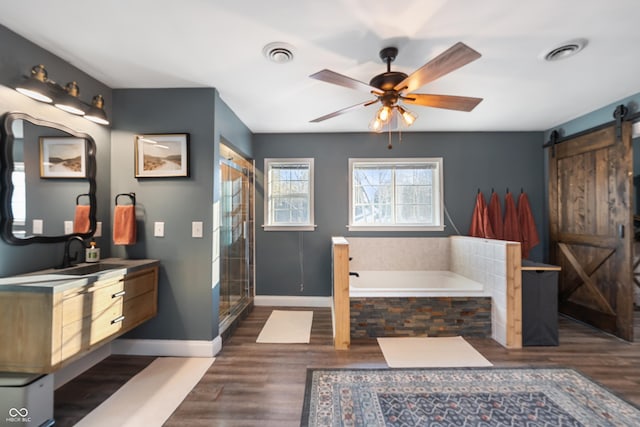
<point x="176" y="348"/>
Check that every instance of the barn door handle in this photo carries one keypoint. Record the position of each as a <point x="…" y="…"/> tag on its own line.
<point x="621" y="231"/>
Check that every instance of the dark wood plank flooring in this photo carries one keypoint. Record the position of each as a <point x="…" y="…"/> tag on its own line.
<point x="262" y="385"/>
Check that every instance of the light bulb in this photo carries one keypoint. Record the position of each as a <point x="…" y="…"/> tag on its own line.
<point x="407" y="116"/>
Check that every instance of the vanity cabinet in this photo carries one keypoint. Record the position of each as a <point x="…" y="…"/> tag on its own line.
<point x="49" y="330"/>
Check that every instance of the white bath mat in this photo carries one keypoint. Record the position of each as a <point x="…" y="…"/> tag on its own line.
<point x="436" y="352"/>
<point x="287" y="327"/>
<point x="150" y="397"/>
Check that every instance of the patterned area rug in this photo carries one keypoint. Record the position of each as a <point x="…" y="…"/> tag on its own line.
<point x="480" y="397"/>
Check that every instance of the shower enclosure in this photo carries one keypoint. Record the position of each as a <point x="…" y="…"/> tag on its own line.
<point x="236" y="235"/>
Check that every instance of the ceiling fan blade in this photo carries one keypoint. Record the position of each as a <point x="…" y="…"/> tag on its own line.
<point x="342" y="80"/>
<point x="460" y="103"/>
<point x="453" y="58"/>
<point x="344" y="110"/>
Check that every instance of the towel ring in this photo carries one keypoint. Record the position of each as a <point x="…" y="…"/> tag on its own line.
<point x="132" y="196"/>
<point x="80" y="195"/>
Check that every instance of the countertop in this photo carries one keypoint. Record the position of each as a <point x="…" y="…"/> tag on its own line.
<point x="53" y="280"/>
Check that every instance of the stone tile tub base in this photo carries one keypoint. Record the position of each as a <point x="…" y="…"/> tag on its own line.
<point x="373" y="317"/>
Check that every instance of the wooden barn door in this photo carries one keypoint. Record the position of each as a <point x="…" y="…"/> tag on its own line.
<point x="591" y="228"/>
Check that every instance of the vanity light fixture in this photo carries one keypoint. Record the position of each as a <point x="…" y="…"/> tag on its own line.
<point x="69" y="100"/>
<point x="40" y="88"/>
<point x="37" y="85"/>
<point x="96" y="112"/>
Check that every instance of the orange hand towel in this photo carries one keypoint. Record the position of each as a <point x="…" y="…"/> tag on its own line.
<point x="495" y="216"/>
<point x="511" y="225"/>
<point x="124" y="225"/>
<point x="527" y="225"/>
<point x="480" y="225"/>
<point x="81" y="223"/>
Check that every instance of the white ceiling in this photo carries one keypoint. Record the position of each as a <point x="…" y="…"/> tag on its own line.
<point x="207" y="43"/>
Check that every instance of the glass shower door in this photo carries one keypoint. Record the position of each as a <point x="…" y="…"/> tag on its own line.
<point x="234" y="241"/>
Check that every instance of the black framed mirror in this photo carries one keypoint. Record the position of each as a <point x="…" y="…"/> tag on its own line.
<point x="48" y="176"/>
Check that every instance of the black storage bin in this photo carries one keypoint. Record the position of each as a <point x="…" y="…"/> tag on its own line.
<point x="539" y="304"/>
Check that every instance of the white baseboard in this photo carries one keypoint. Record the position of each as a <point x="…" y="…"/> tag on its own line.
<point x="291" y="301"/>
<point x="69" y="372"/>
<point x="176" y="348"/>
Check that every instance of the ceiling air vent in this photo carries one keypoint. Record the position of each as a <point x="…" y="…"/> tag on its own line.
<point x="565" y="50"/>
<point x="278" y="52"/>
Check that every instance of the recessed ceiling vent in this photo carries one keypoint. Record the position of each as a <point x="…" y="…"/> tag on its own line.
<point x="278" y="52"/>
<point x="565" y="50"/>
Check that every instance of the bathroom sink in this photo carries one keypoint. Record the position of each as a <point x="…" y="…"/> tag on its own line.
<point x="90" y="269"/>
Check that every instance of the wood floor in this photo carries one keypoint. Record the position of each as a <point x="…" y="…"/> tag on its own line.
<point x="262" y="385"/>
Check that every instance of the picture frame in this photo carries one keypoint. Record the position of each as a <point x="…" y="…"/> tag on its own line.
<point x="162" y="155"/>
<point x="63" y="157"/>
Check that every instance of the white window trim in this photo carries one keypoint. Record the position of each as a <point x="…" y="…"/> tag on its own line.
<point x="439" y="189"/>
<point x="311" y="226"/>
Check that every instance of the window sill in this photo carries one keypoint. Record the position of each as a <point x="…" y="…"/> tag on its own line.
<point x="289" y="227"/>
<point x="395" y="228"/>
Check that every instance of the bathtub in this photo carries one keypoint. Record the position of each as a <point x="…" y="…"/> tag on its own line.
<point x="413" y="283"/>
<point x="408" y="303"/>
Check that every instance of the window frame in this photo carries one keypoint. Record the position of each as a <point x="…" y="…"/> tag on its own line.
<point x="268" y="226"/>
<point x="438" y="194"/>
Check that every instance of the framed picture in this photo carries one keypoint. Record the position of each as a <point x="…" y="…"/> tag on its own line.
<point x="163" y="155"/>
<point x="63" y="157"/>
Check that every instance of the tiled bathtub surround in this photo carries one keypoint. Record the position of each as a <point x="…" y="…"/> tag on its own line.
<point x="485" y="261"/>
<point x="481" y="260"/>
<point x="415" y="317"/>
<point x="393" y="253"/>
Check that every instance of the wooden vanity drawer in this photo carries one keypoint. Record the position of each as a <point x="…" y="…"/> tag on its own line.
<point x="139" y="309"/>
<point x="140" y="283"/>
<point x="92" y="300"/>
<point x="83" y="333"/>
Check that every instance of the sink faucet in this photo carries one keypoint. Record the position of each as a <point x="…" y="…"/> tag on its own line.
<point x="67" y="258"/>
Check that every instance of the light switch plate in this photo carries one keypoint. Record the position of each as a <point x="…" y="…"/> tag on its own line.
<point x="158" y="229"/>
<point x="98" y="232"/>
<point x="38" y="224"/>
<point x="196" y="229"/>
<point x="68" y="227"/>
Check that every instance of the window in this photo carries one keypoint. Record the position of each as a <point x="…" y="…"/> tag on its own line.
<point x="289" y="194"/>
<point x="395" y="194"/>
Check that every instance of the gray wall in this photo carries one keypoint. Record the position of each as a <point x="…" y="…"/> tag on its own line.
<point x="17" y="56"/>
<point x="472" y="161"/>
<point x="188" y="300"/>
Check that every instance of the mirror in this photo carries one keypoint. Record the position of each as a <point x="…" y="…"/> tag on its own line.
<point x="48" y="174"/>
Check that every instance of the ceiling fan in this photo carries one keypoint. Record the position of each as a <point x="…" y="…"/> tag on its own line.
<point x="392" y="87"/>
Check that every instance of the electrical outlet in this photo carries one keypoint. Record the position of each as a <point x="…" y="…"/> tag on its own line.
<point x="196" y="229"/>
<point x="98" y="232"/>
<point x="158" y="229"/>
<point x="68" y="227"/>
<point x="38" y="225"/>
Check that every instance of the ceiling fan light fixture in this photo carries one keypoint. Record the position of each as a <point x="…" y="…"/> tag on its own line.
<point x="408" y="117"/>
<point x="384" y="114"/>
<point x="376" y="125"/>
